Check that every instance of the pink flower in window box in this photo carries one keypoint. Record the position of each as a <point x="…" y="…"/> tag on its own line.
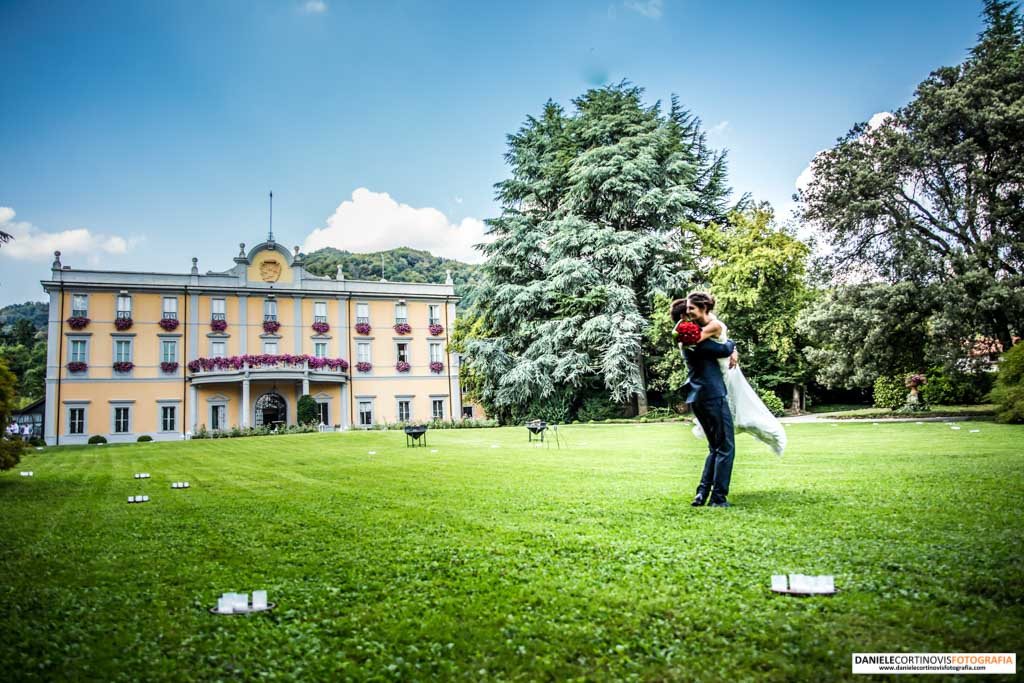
<point x="437" y="367"/>
<point x="168" y="324"/>
<point x="321" y="328"/>
<point x="436" y="330"/>
<point x="402" y="366"/>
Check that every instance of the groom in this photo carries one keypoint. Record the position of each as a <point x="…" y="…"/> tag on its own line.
<point x="706" y="394"/>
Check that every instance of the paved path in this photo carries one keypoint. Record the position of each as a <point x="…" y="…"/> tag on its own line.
<point x="833" y="417"/>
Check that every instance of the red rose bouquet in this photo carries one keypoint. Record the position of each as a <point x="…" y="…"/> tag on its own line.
<point x="686" y="333"/>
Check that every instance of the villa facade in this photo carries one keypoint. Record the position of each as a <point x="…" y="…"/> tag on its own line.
<point x="165" y="354"/>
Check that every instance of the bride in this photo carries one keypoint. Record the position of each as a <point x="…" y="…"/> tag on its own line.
<point x="749" y="413"/>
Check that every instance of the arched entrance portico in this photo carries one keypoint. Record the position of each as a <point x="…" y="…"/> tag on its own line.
<point x="270" y="409"/>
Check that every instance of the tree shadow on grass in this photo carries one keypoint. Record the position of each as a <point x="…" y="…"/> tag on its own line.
<point x="782" y="500"/>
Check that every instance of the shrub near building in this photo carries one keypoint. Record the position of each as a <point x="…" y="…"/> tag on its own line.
<point x="1008" y="394"/>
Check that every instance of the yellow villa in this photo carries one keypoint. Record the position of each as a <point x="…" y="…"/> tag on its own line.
<point x="164" y="354"/>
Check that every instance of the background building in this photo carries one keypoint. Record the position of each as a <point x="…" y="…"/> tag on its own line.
<point x="165" y="354"/>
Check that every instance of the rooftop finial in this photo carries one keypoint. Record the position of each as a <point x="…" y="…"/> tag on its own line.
<point x="448" y="277"/>
<point x="195" y="266"/>
<point x="270" y="237"/>
<point x="56" y="261"/>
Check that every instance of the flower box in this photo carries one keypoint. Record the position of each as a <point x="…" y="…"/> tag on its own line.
<point x="402" y="366"/>
<point x="364" y="366"/>
<point x="77" y="366"/>
<point x="123" y="324"/>
<point x="271" y="326"/>
<point x="321" y="328"/>
<point x="403" y="328"/>
<point x="169" y="366"/>
<point x="437" y="367"/>
<point x="123" y="366"/>
<point x="363" y="328"/>
<point x="436" y="330"/>
<point x="218" y="325"/>
<point x="266" y="360"/>
<point x="76" y="322"/>
<point x="168" y="324"/>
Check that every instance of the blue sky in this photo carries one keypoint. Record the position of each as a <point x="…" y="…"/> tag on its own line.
<point x="135" y="135"/>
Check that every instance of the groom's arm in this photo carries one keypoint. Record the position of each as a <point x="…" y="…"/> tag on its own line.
<point x="713" y="349"/>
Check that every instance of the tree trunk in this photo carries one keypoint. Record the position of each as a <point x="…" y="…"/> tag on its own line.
<point x="797" y="405"/>
<point x="641" y="398"/>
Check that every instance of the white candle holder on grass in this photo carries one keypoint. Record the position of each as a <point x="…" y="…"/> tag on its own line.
<point x="180" y="485"/>
<point x="238" y="603"/>
<point x="801" y="584"/>
<point x="138" y="499"/>
<point x="27" y="474"/>
<point x="142" y="475"/>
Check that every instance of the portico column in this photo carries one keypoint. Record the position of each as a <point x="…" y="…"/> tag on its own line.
<point x="305" y="380"/>
<point x="193" y="407"/>
<point x="245" y="403"/>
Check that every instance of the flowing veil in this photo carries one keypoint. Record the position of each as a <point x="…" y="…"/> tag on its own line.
<point x="749" y="413"/>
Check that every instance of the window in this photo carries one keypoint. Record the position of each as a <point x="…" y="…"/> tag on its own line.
<point x="79" y="306"/>
<point x="434" y="314"/>
<point x="325" y="417"/>
<point x="401" y="313"/>
<point x="121" y="421"/>
<point x="363" y="352"/>
<point x="402" y="351"/>
<point x="363" y="313"/>
<point x="320" y="349"/>
<point x="320" y="312"/>
<point x="167" y="418"/>
<point x="168" y="351"/>
<point x="404" y="410"/>
<point x="217" y="309"/>
<point x="218" y="417"/>
<point x="218" y="349"/>
<point x="269" y="310"/>
<point x="124" y="306"/>
<point x="123" y="351"/>
<point x="270" y="347"/>
<point x="76" y="421"/>
<point x="437" y="408"/>
<point x="435" y="352"/>
<point x="467" y="412"/>
<point x="365" y="413"/>
<point x="171" y="307"/>
<point x="78" y="350"/>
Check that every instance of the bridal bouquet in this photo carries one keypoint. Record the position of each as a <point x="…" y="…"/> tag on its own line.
<point x="686" y="333"/>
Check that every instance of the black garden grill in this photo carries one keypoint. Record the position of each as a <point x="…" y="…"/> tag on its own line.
<point x="413" y="433"/>
<point x="536" y="427"/>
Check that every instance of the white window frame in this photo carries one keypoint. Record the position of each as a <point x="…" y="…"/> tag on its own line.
<point x="433" y="319"/>
<point x="268" y="343"/>
<point x="118" y="341"/>
<point x="360" y="400"/>
<point x="322" y="406"/>
<point x="269" y="310"/>
<point x="360" y="357"/>
<point x="319" y="311"/>
<point x="162" y="408"/>
<point x="221" y="303"/>
<point x="83" y="312"/>
<point x="320" y="349"/>
<point x="408" y="351"/>
<point x="72" y="341"/>
<point x="436" y="353"/>
<point x="213" y="348"/>
<point x="173" y="345"/>
<point x="402" y="309"/>
<point x="123" y="306"/>
<point x="126" y="406"/>
<point x="399" y="400"/>
<point x="172" y="311"/>
<point x="363" y="308"/>
<point x="69" y="423"/>
<point x="434" y="400"/>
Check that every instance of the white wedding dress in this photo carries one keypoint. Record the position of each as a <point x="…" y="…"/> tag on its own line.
<point x="749" y="413"/>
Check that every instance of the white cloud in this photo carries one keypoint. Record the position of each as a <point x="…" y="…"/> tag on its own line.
<point x="719" y="127"/>
<point x="649" y="8"/>
<point x="32" y="244"/>
<point x="878" y="119"/>
<point x="314" y="7"/>
<point x="373" y="221"/>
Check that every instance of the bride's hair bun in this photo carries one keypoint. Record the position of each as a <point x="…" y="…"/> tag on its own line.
<point x="702" y="300"/>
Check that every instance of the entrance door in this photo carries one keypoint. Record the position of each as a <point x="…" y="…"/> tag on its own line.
<point x="271" y="410"/>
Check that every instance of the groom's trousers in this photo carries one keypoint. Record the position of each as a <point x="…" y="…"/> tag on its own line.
<point x="716" y="420"/>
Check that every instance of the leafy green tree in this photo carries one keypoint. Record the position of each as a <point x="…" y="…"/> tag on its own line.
<point x="307" y="411"/>
<point x="757" y="272"/>
<point x="935" y="194"/>
<point x="10" y="449"/>
<point x="1008" y="394"/>
<point x="589" y="233"/>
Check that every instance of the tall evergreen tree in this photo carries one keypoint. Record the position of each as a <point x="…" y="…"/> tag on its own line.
<point x="588" y="234"/>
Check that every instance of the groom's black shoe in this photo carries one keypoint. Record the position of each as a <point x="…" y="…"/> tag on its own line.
<point x="720" y="504"/>
<point x="699" y="499"/>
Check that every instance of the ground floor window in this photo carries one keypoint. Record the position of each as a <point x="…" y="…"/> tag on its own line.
<point x="437" y="408"/>
<point x="167" y="418"/>
<point x="404" y="410"/>
<point x="76" y="421"/>
<point x="365" y="413"/>
<point x="121" y="419"/>
<point x="325" y="416"/>
<point x="467" y="412"/>
<point x="218" y="417"/>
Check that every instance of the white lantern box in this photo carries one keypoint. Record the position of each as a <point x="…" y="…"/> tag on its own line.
<point x="801" y="584"/>
<point x="238" y="603"/>
<point x="138" y="499"/>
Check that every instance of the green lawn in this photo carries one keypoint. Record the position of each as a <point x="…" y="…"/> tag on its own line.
<point x="514" y="562"/>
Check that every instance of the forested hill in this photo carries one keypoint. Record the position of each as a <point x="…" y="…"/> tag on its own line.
<point x="33" y="311"/>
<point x="400" y="265"/>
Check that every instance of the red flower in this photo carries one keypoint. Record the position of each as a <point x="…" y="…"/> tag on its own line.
<point x="686" y="333"/>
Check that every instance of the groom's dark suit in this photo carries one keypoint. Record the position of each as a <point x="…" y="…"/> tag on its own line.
<point x="707" y="397"/>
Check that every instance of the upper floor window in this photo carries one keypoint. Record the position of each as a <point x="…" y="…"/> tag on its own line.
<point x="123" y="351"/>
<point x="434" y="314"/>
<point x="320" y="312"/>
<point x="269" y="310"/>
<point x="218" y="349"/>
<point x="124" y="306"/>
<point x="320" y="349"/>
<point x="362" y="313"/>
<point x="78" y="351"/>
<point x="168" y="351"/>
<point x="171" y="307"/>
<point x="435" y="352"/>
<point x="363" y="352"/>
<point x="270" y="347"/>
<point x="80" y="306"/>
<point x="401" y="313"/>
<point x="402" y="352"/>
<point x="217" y="309"/>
